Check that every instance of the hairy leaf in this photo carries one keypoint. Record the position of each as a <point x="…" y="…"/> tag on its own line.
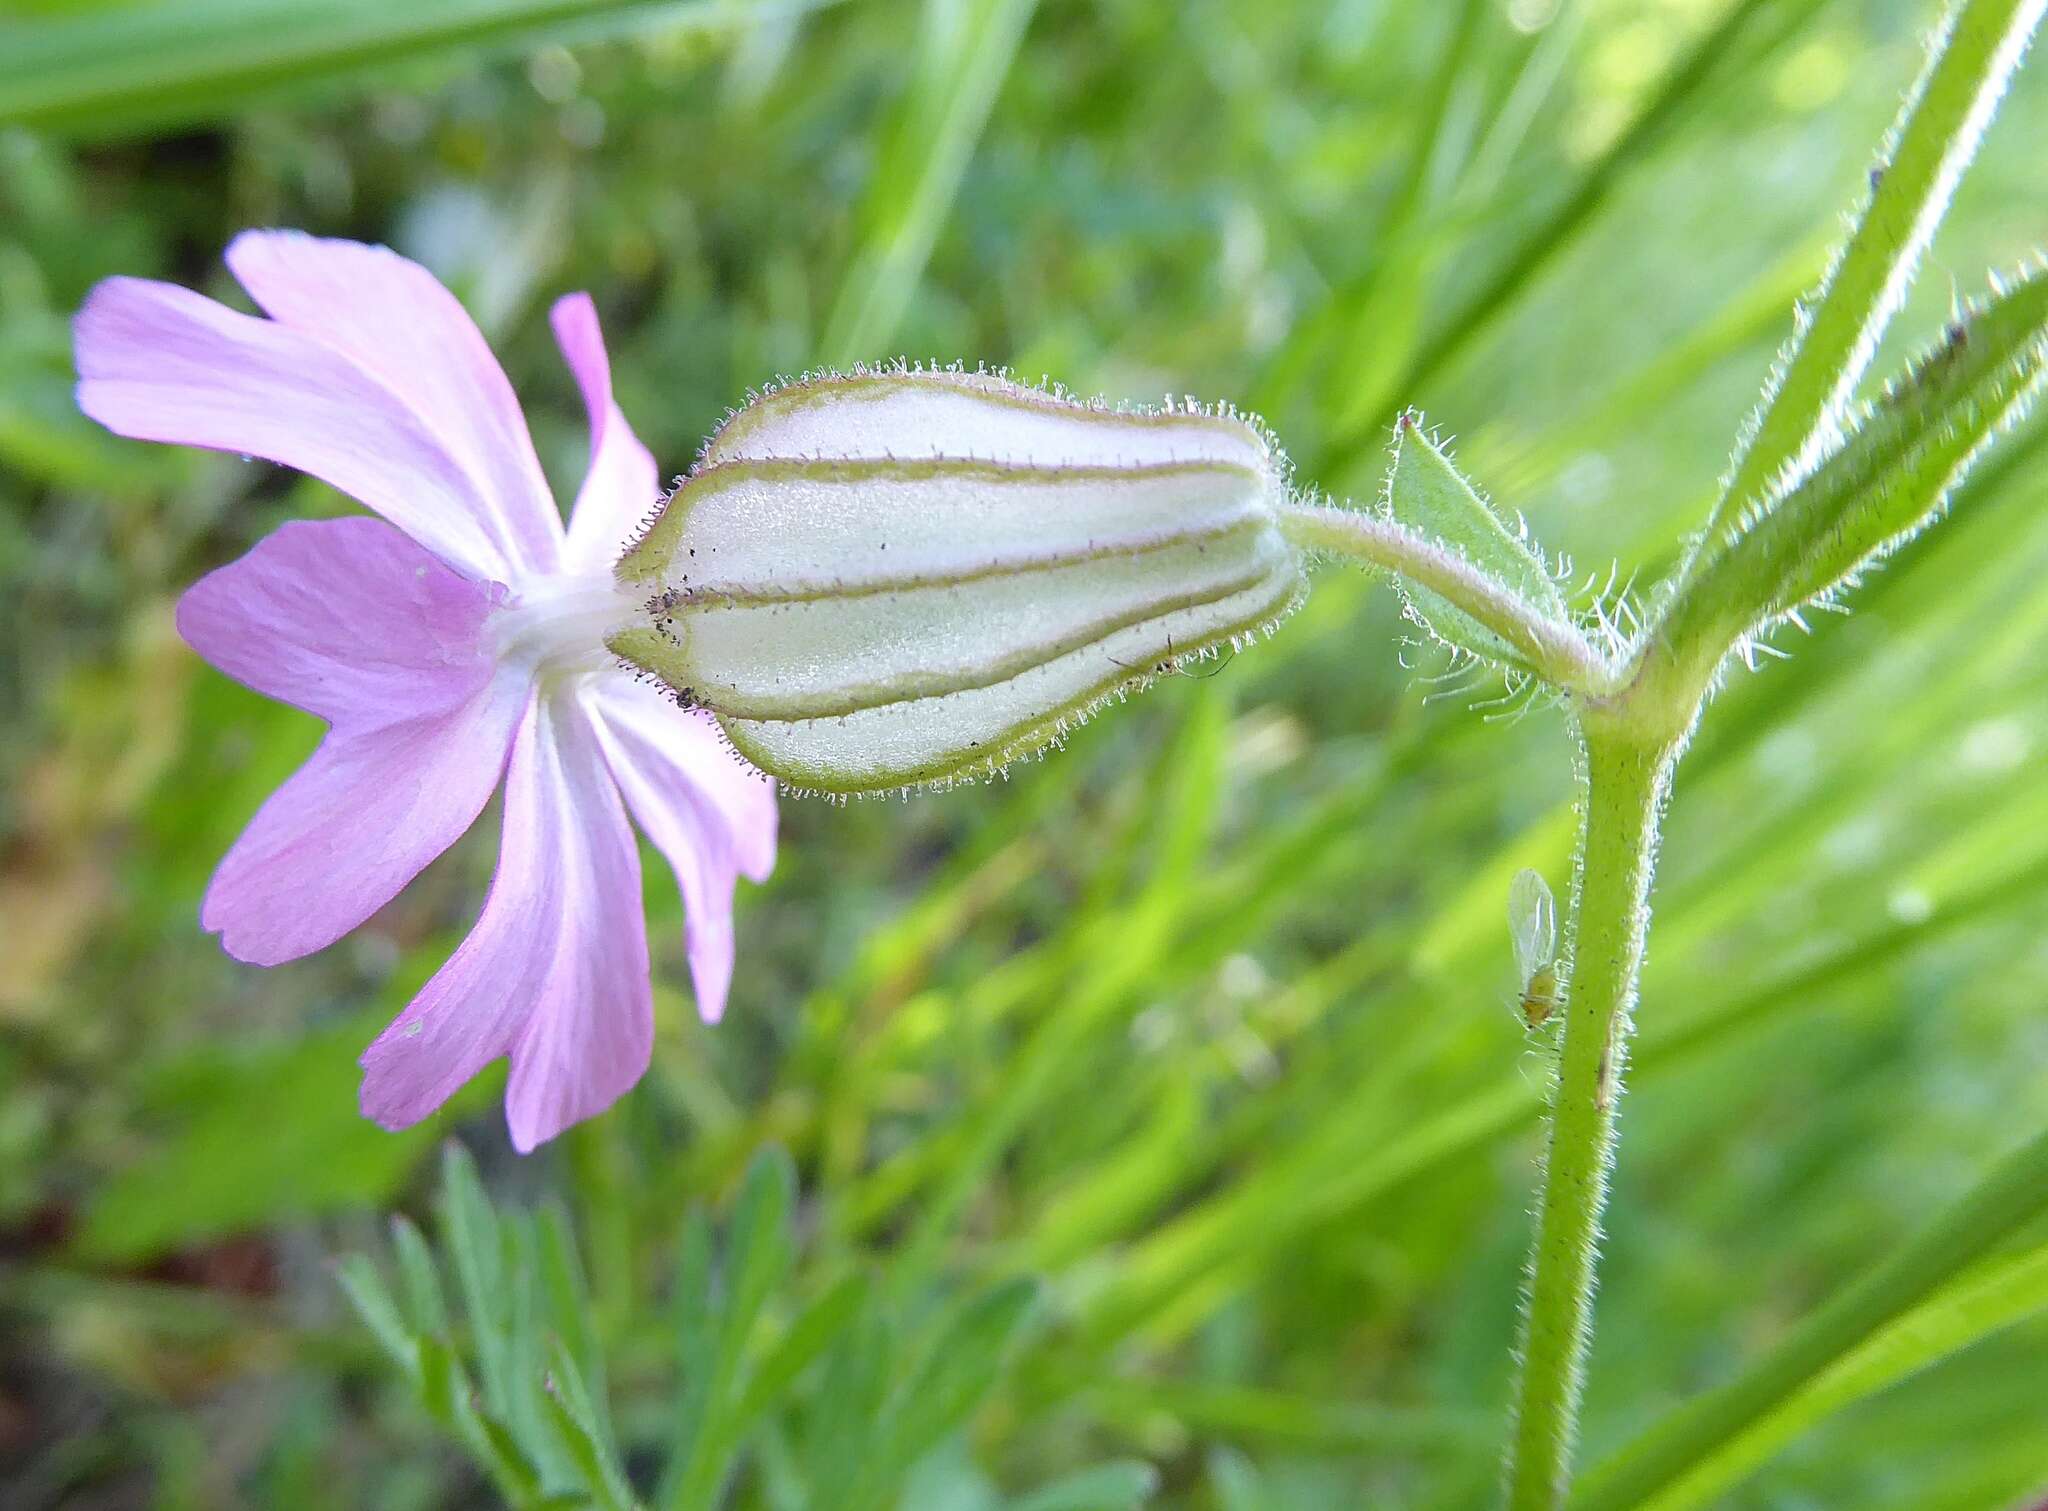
<point x="1975" y="52"/>
<point x="1889" y="477"/>
<point x="1428" y="494"/>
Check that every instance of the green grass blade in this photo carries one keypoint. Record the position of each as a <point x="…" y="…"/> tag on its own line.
<point x="1892" y="474"/>
<point x="573" y="1414"/>
<point x="963" y="62"/>
<point x="758" y="1254"/>
<point x="957" y="1371"/>
<point x="449" y="1398"/>
<point x="426" y="1309"/>
<point x="153" y="65"/>
<point x="2014" y="1192"/>
<point x="1106" y="1487"/>
<point x="1993" y="1296"/>
<point x="842" y="1426"/>
<point x="696" y="1344"/>
<point x="371" y="1297"/>
<point x="568" y="1308"/>
<point x="475" y="1240"/>
<point x="815" y="1330"/>
<point x="1534" y="250"/>
<point x="1975" y="53"/>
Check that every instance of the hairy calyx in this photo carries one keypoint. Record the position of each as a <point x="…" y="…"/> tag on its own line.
<point x="911" y="578"/>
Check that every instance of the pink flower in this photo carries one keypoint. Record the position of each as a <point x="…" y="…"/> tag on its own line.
<point x="452" y="645"/>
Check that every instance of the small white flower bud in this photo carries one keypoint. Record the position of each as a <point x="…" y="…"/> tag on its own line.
<point x="895" y="579"/>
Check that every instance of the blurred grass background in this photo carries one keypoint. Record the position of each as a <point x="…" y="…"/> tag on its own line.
<point x="1205" y="1021"/>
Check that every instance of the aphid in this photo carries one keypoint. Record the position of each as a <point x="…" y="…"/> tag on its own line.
<point x="1532" y="925"/>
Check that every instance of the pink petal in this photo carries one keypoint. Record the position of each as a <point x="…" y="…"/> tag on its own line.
<point x="357" y="822"/>
<point x="161" y="363"/>
<point x="555" y="973"/>
<point x="622" y="487"/>
<point x="393" y="319"/>
<point x="346" y="619"/>
<point x="711" y="815"/>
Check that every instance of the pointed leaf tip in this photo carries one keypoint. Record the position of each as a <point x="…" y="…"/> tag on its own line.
<point x="1427" y="493"/>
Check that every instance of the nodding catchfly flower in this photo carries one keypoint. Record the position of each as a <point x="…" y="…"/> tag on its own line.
<point x="454" y="646"/>
<point x="868" y="582"/>
<point x="907" y="577"/>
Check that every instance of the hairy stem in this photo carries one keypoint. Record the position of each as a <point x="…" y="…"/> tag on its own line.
<point x="1974" y="53"/>
<point x="1561" y="655"/>
<point x="1625" y="781"/>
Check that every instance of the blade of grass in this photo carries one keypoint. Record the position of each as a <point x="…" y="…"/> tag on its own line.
<point x="961" y="70"/>
<point x="1975" y="52"/>
<point x="1995" y="1295"/>
<point x="1176" y="1276"/>
<point x="1892" y="474"/>
<point x="1533" y="251"/>
<point x="2012" y="1193"/>
<point x="117" y="70"/>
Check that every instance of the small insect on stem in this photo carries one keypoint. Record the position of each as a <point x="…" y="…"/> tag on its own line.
<point x="1532" y="925"/>
<point x="1170" y="666"/>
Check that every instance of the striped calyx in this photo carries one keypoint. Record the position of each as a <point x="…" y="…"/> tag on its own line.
<point x="903" y="578"/>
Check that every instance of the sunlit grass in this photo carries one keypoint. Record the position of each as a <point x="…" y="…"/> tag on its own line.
<point x="1207" y="1022"/>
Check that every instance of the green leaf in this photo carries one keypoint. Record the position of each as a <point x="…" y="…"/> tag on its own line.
<point x="1106" y="1487"/>
<point x="961" y="65"/>
<point x="1238" y="1485"/>
<point x="425" y="1308"/>
<point x="471" y="1232"/>
<point x="529" y="1411"/>
<point x="815" y="1330"/>
<point x="2011" y="1194"/>
<point x="1975" y="52"/>
<point x="163" y="63"/>
<point x="1885" y="481"/>
<point x="371" y="1298"/>
<point x="695" y="1343"/>
<point x="758" y="1253"/>
<point x="568" y="1306"/>
<point x="574" y="1417"/>
<point x="1993" y="1296"/>
<point x="957" y="1371"/>
<point x="1428" y="494"/>
<point x="843" y="1434"/>
<point x="212" y="1176"/>
<point x="1529" y="255"/>
<point x="449" y="1398"/>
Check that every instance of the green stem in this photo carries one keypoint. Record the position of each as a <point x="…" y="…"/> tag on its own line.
<point x="1975" y="51"/>
<point x="2014" y="1192"/>
<point x="1561" y="655"/>
<point x="1625" y="782"/>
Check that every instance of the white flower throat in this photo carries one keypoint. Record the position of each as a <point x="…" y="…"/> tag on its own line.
<point x="559" y="623"/>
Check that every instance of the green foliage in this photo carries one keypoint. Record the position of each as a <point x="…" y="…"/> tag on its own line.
<point x="211" y="1179"/>
<point x="1860" y="1341"/>
<point x="1427" y="493"/>
<point x="1208" y="1026"/>
<point x="116" y="68"/>
<point x="1995" y="1295"/>
<point x="1893" y="472"/>
<point x="852" y="1394"/>
<point x="1978" y="48"/>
